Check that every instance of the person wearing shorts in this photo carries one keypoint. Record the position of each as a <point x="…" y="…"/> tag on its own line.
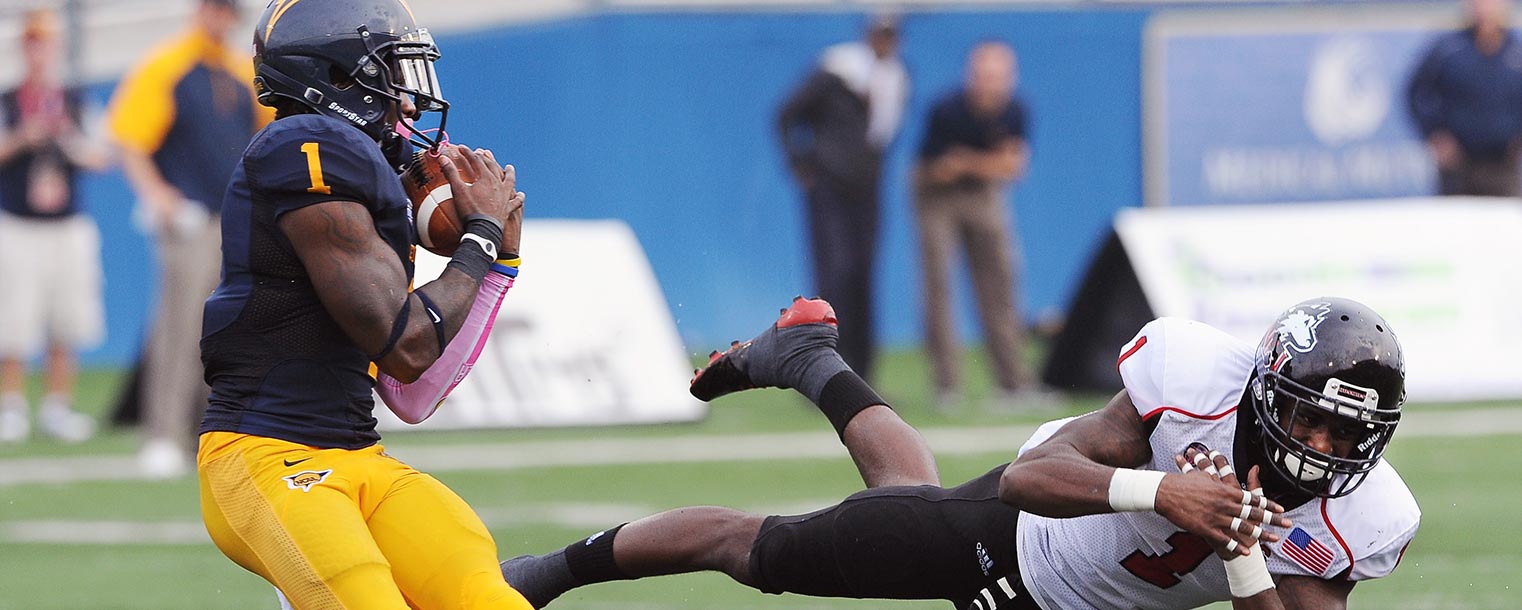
<point x="50" y="270"/>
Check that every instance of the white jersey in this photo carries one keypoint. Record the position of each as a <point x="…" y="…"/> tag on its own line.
<point x="1191" y="377"/>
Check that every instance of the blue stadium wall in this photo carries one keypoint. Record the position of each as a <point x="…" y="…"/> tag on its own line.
<point x="665" y="120"/>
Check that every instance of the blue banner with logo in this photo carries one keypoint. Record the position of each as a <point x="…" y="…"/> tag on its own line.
<point x="1284" y="110"/>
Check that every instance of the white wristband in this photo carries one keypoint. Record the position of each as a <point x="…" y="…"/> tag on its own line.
<point x="486" y="246"/>
<point x="1248" y="575"/>
<point x="1134" y="490"/>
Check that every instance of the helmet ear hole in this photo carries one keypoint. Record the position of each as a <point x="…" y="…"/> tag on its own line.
<point x="340" y="79"/>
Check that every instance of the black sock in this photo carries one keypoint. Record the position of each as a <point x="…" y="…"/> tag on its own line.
<point x="539" y="578"/>
<point x="845" y="395"/>
<point x="542" y="578"/>
<point x="591" y="560"/>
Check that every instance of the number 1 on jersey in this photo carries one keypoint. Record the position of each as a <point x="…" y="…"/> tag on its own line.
<point x="314" y="167"/>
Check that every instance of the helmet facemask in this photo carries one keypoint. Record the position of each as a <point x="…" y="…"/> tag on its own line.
<point x="1352" y="415"/>
<point x="404" y="67"/>
<point x="1335" y="367"/>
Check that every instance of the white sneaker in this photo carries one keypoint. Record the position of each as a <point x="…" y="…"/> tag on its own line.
<point x="14" y="425"/>
<point x="162" y="460"/>
<point x="65" y="424"/>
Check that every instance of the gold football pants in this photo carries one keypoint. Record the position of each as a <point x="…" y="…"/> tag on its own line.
<point x="338" y="529"/>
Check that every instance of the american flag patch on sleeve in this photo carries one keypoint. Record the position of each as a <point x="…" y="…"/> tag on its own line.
<point x="1304" y="549"/>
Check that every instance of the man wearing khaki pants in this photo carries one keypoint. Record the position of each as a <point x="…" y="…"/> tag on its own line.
<point x="974" y="149"/>
<point x="182" y="118"/>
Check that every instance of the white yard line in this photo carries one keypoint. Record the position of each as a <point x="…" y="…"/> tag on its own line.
<point x="592" y="452"/>
<point x="540" y="454"/>
<point x="586" y="516"/>
<point x="691" y="448"/>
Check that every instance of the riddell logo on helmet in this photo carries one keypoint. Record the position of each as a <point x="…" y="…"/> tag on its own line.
<point x="1369" y="442"/>
<point x="348" y="114"/>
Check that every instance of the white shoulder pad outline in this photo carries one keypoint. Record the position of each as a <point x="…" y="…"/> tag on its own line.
<point x="1375" y="523"/>
<point x="1184" y="366"/>
<point x="1140" y="365"/>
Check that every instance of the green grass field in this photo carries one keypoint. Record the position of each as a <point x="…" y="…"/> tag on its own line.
<point x="1465" y="557"/>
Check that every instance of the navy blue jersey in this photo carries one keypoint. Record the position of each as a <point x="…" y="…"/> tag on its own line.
<point x="198" y="151"/>
<point x="278" y="363"/>
<point x="1476" y="97"/>
<point x="952" y="123"/>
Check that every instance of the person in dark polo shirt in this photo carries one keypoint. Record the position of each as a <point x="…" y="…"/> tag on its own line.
<point x="1466" y="100"/>
<point x="973" y="150"/>
<point x="182" y="118"/>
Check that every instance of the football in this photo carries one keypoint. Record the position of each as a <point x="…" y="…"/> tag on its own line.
<point x="439" y="226"/>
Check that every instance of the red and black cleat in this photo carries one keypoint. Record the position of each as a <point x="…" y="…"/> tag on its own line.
<point x="755" y="363"/>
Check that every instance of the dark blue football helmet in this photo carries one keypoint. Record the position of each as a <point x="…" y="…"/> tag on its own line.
<point x="349" y="59"/>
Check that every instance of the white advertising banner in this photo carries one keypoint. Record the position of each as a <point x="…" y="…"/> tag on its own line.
<point x="1446" y="274"/>
<point x="583" y="338"/>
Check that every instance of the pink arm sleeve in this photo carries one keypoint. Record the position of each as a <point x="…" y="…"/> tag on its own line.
<point x="414" y="402"/>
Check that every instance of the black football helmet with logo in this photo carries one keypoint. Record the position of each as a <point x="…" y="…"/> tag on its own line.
<point x="349" y="59"/>
<point x="1339" y="357"/>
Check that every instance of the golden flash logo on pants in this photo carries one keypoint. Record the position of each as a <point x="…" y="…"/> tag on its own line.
<point x="305" y="479"/>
